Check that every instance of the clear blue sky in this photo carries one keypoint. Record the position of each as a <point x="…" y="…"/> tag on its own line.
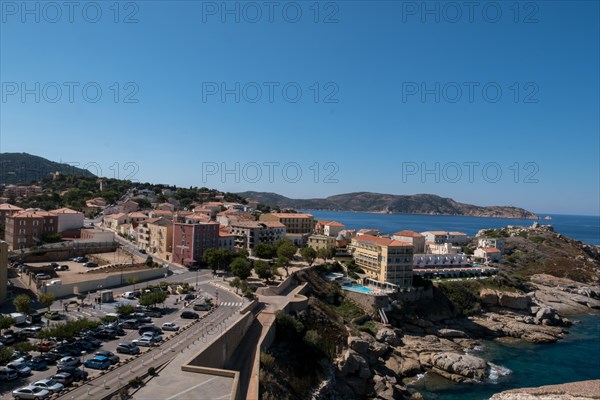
<point x="371" y="59"/>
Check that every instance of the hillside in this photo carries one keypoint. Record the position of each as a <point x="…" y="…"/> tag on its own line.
<point x="390" y="203"/>
<point x="26" y="168"/>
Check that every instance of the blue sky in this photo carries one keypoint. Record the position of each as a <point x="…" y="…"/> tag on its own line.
<point x="379" y="97"/>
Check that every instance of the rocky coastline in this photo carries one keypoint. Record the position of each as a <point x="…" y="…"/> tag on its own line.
<point x="583" y="390"/>
<point x="382" y="366"/>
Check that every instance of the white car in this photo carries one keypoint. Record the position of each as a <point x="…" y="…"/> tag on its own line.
<point x="49" y="384"/>
<point x="152" y="335"/>
<point x="30" y="392"/>
<point x="170" y="326"/>
<point x="143" y="341"/>
<point x="68" y="361"/>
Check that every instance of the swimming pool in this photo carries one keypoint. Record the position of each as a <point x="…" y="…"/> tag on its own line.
<point x="358" y="288"/>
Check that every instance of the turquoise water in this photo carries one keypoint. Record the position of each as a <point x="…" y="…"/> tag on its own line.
<point x="575" y="358"/>
<point x="358" y="288"/>
<point x="580" y="227"/>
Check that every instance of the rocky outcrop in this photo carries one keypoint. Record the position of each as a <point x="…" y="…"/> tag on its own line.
<point x="565" y="296"/>
<point x="512" y="300"/>
<point x="584" y="390"/>
<point x="459" y="367"/>
<point x="391" y="336"/>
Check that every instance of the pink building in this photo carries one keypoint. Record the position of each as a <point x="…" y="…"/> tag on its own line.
<point x="191" y="240"/>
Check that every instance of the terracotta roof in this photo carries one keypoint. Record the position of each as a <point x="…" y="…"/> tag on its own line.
<point x="9" y="207"/>
<point x="437" y="233"/>
<point x="116" y="216"/>
<point x="457" y="233"/>
<point x="408" y="234"/>
<point x="137" y="215"/>
<point x="380" y="241"/>
<point x="202" y="217"/>
<point x="334" y="223"/>
<point x="65" y="211"/>
<point x="224" y="234"/>
<point x="292" y="215"/>
<point x="26" y="214"/>
<point x="491" y="250"/>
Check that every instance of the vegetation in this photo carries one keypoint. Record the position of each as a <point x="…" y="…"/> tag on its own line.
<point x="349" y="310"/>
<point x="6" y="322"/>
<point x="464" y="299"/>
<point x="125" y="309"/>
<point x="153" y="298"/>
<point x="263" y="270"/>
<point x="217" y="258"/>
<point x="309" y="254"/>
<point x="22" y="303"/>
<point x="67" y="330"/>
<point x="264" y="250"/>
<point x="6" y="354"/>
<point x="241" y="268"/>
<point x="47" y="299"/>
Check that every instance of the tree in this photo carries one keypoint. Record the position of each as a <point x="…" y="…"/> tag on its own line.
<point x="235" y="282"/>
<point x="282" y="262"/>
<point x="264" y="250"/>
<point x="263" y="270"/>
<point x="47" y="299"/>
<point x="309" y="254"/>
<point x="286" y="248"/>
<point x="132" y="280"/>
<point x="153" y="298"/>
<point x="241" y="268"/>
<point x="6" y="322"/>
<point x="324" y="253"/>
<point x="217" y="258"/>
<point x="125" y="309"/>
<point x="22" y="303"/>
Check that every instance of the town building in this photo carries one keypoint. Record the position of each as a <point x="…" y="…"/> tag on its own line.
<point x="444" y="248"/>
<point x="161" y="214"/>
<point x="97" y="236"/>
<point x="295" y="223"/>
<point x="368" y="231"/>
<point x="250" y="233"/>
<point x="439" y="260"/>
<point x="226" y="239"/>
<point x="318" y="242"/>
<point x="384" y="260"/>
<point x="488" y="254"/>
<point x="414" y="238"/>
<point x="27" y="228"/>
<point x="22" y="191"/>
<point x="6" y="210"/>
<point x="3" y="271"/>
<point x="435" y="237"/>
<point x="191" y="240"/>
<point x="491" y="242"/>
<point x="161" y="237"/>
<point x="68" y="219"/>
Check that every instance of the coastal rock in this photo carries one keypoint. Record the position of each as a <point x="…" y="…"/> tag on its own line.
<point x="410" y="367"/>
<point x="451" y="333"/>
<point x="489" y="297"/>
<point x="390" y="336"/>
<point x="514" y="301"/>
<point x="583" y="390"/>
<point x="358" y="344"/>
<point x="351" y="362"/>
<point x="459" y="367"/>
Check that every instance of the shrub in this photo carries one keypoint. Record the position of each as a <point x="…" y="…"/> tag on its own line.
<point x="151" y="371"/>
<point x="267" y="361"/>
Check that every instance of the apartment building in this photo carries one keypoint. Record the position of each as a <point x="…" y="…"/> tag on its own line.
<point x="441" y="237"/>
<point x="191" y="240"/>
<point x="383" y="259"/>
<point x="161" y="237"/>
<point x="26" y="228"/>
<point x="68" y="219"/>
<point x="6" y="210"/>
<point x="21" y="191"/>
<point x="226" y="239"/>
<point x="295" y="223"/>
<point x="3" y="271"/>
<point x="250" y="233"/>
<point x="414" y="238"/>
<point x="318" y="242"/>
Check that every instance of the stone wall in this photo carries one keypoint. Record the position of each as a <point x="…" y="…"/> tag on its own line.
<point x="367" y="301"/>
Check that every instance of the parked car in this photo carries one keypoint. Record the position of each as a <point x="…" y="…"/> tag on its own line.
<point x="128" y="348"/>
<point x="69" y="361"/>
<point x="129" y="295"/>
<point x="65" y="378"/>
<point x="7" y="340"/>
<point x="98" y="362"/>
<point x="46" y="345"/>
<point x="202" y="307"/>
<point x="189" y="297"/>
<point x="34" y="318"/>
<point x="52" y="315"/>
<point x="92" y="340"/>
<point x="152" y="335"/>
<point x="143" y="341"/>
<point x="109" y="355"/>
<point x="42" y="276"/>
<point x="153" y="312"/>
<point x="62" y="268"/>
<point x="75" y="372"/>
<point x="84" y="345"/>
<point x="37" y="363"/>
<point x="31" y="331"/>
<point x="141" y="317"/>
<point x="189" y="315"/>
<point x="20" y="366"/>
<point x="49" y="384"/>
<point x="30" y="392"/>
<point x="50" y="358"/>
<point x="170" y="326"/>
<point x="130" y="324"/>
<point x="149" y="328"/>
<point x="90" y="264"/>
<point x="8" y="374"/>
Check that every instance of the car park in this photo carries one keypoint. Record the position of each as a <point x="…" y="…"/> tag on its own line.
<point x="19" y="366"/>
<point x="114" y="359"/>
<point x="143" y="341"/>
<point x="49" y="384"/>
<point x="170" y="326"/>
<point x="30" y="392"/>
<point x="189" y="315"/>
<point x="76" y="373"/>
<point x="97" y="362"/>
<point x="65" y="378"/>
<point x="69" y="361"/>
<point x="128" y="348"/>
<point x="8" y="374"/>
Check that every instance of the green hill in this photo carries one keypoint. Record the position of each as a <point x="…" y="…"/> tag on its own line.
<point x="26" y="168"/>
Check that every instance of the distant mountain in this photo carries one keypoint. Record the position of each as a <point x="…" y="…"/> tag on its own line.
<point x="390" y="203"/>
<point x="26" y="168"/>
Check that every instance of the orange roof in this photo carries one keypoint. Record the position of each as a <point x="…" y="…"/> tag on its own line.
<point x="334" y="223"/>
<point x="292" y="215"/>
<point x="27" y="214"/>
<point x="9" y="207"/>
<point x="491" y="250"/>
<point x="65" y="211"/>
<point x="380" y="241"/>
<point x="437" y="232"/>
<point x="408" y="234"/>
<point x="137" y="215"/>
<point x="117" y="216"/>
<point x="457" y="233"/>
<point x="225" y="234"/>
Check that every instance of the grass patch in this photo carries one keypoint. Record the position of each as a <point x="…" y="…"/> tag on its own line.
<point x="369" y="327"/>
<point x="348" y="310"/>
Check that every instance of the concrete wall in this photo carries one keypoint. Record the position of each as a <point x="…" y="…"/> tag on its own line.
<point x="221" y="349"/>
<point x="366" y="301"/>
<point x="59" y="254"/>
<point x="275" y="290"/>
<point x="414" y="294"/>
<point x="107" y="282"/>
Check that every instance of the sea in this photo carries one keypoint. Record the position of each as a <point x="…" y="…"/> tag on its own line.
<point x="514" y="364"/>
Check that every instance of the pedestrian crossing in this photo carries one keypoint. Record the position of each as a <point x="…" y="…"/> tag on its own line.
<point x="231" y="304"/>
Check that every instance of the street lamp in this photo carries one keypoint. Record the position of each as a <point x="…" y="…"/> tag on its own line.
<point x="83" y="360"/>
